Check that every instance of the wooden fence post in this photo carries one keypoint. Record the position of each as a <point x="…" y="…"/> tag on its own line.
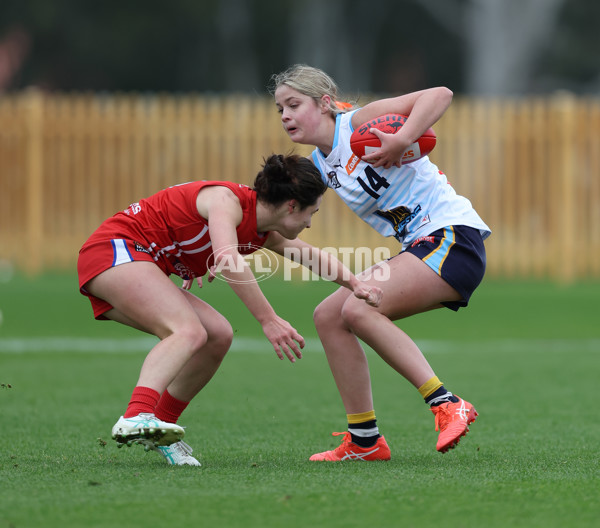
<point x="34" y="103"/>
<point x="566" y="208"/>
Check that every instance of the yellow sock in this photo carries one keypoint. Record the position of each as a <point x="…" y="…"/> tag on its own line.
<point x="429" y="387"/>
<point x="363" y="428"/>
<point x="360" y="417"/>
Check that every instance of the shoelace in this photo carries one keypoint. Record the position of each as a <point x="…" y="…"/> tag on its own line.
<point x="346" y="440"/>
<point x="442" y="417"/>
<point x="182" y="448"/>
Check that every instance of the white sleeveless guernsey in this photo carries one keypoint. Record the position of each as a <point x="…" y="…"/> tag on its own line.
<point x="405" y="202"/>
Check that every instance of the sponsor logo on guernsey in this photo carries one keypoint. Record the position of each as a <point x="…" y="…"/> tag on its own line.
<point x="134" y="208"/>
<point x="424" y="221"/>
<point x="352" y="163"/>
<point x="399" y="217"/>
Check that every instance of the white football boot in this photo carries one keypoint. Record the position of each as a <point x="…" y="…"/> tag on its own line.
<point x="178" y="454"/>
<point x="146" y="426"/>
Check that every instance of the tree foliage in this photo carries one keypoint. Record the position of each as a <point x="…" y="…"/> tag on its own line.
<point x="235" y="45"/>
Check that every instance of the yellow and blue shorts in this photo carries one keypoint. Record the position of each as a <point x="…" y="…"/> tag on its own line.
<point x="457" y="254"/>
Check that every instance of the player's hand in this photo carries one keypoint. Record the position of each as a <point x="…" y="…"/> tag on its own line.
<point x="212" y="273"/>
<point x="390" y="153"/>
<point x="371" y="294"/>
<point x="284" y="338"/>
<point x="187" y="283"/>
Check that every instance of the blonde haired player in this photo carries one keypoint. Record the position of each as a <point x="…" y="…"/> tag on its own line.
<point x="441" y="262"/>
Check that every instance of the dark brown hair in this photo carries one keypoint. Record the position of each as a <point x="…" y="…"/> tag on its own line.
<point x="289" y="177"/>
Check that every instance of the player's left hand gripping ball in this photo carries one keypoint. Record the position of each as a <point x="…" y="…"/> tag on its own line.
<point x="364" y="142"/>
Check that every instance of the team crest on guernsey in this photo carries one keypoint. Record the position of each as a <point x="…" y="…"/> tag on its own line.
<point x="183" y="271"/>
<point x="399" y="217"/>
<point x="335" y="184"/>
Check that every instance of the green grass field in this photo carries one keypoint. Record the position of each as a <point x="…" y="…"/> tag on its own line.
<point x="526" y="354"/>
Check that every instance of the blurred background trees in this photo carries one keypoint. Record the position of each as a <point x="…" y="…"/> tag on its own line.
<point x="481" y="47"/>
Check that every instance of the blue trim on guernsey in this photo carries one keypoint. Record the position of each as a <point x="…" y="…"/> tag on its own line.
<point x="337" y="131"/>
<point x="316" y="160"/>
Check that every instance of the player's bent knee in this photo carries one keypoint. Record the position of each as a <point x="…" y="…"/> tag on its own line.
<point x="221" y="337"/>
<point x="325" y="315"/>
<point x="353" y="313"/>
<point x="192" y="336"/>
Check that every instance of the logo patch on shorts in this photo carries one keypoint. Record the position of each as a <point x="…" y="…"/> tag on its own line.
<point x="140" y="248"/>
<point x="423" y="239"/>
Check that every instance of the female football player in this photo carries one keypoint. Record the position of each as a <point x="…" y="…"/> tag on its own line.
<point x="189" y="230"/>
<point x="442" y="257"/>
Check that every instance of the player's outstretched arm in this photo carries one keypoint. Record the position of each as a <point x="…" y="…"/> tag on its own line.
<point x="224" y="214"/>
<point x="325" y="265"/>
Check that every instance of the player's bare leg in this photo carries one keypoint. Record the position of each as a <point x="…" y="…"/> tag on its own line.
<point x="346" y="357"/>
<point x="411" y="288"/>
<point x="164" y="311"/>
<point x="339" y="320"/>
<point x="202" y="366"/>
<point x="194" y="375"/>
<point x="161" y="310"/>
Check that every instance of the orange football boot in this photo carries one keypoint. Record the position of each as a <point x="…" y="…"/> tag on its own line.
<point x="350" y="451"/>
<point x="452" y="421"/>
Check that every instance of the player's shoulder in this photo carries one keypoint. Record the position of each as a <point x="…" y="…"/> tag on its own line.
<point x="215" y="196"/>
<point x="346" y="118"/>
<point x="221" y="191"/>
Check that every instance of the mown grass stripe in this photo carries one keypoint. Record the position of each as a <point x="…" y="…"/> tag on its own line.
<point x="22" y="345"/>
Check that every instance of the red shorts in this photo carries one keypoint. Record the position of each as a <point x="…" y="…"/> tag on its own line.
<point x="96" y="257"/>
